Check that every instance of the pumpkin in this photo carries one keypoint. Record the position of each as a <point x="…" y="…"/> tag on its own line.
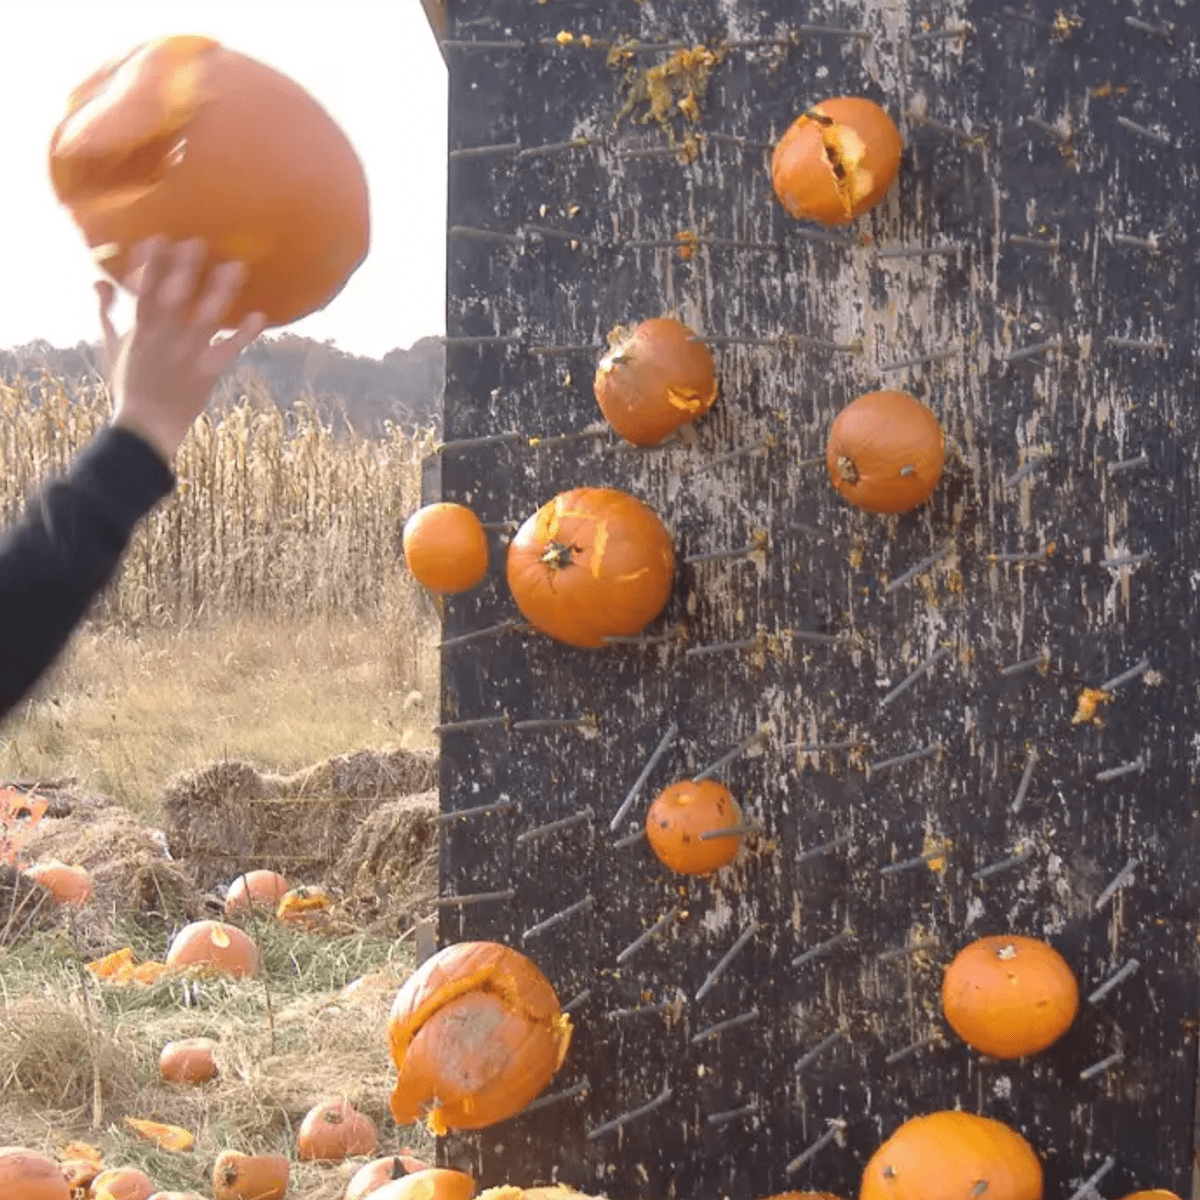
<point x="654" y="378"/>
<point x="221" y="948"/>
<point x="122" y="1183"/>
<point x="148" y="973"/>
<point x="166" y="1137"/>
<point x="116" y="967"/>
<point x="446" y="548"/>
<point x="184" y="138"/>
<point x="1009" y="996"/>
<point x="591" y="563"/>
<point x="681" y="813"/>
<point x="255" y="889"/>
<point x="304" y="907"/>
<point x="836" y="161"/>
<point x="334" y="1130"/>
<point x="476" y="1033"/>
<point x="68" y="885"/>
<point x="28" y="1175"/>
<point x="379" y="1171"/>
<point x="1152" y="1194"/>
<point x="188" y="1060"/>
<point x="556" y="1191"/>
<point x="435" y="1183"/>
<point x="947" y="1155"/>
<point x="886" y="452"/>
<point x="238" y="1176"/>
<point x="177" y="1196"/>
<point x="79" y="1173"/>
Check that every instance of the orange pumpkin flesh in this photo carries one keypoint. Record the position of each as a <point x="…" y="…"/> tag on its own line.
<point x="30" y="1176"/>
<point x="256" y="889"/>
<point x="476" y="1033"/>
<point x="216" y="946"/>
<point x="303" y="906"/>
<point x="1152" y="1194"/>
<point x="591" y="563"/>
<point x="68" y="885"/>
<point x="79" y="1173"/>
<point x="654" y="378"/>
<point x="681" y="813"/>
<point x="335" y="1130"/>
<point x="953" y="1154"/>
<point x="166" y="1137"/>
<point x="188" y="1060"/>
<point x="238" y="1176"/>
<point x="886" y="452"/>
<point x="446" y="548"/>
<point x="836" y="161"/>
<point x="184" y="138"/>
<point x="373" y="1175"/>
<point x="434" y="1183"/>
<point x="1009" y="996"/>
<point x="122" y="1183"/>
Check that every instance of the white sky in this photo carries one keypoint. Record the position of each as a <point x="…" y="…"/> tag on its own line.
<point x="373" y="64"/>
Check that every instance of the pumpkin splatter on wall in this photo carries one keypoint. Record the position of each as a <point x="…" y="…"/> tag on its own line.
<point x="890" y="691"/>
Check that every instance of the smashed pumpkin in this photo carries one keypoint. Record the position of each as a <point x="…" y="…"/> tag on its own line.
<point x="238" y="1176"/>
<point x="166" y="1137"/>
<point x="434" y="1183"/>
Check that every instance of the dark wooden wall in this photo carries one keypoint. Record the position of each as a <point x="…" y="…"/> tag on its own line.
<point x="1032" y="278"/>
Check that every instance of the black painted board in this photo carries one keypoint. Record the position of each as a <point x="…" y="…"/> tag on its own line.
<point x="1032" y="278"/>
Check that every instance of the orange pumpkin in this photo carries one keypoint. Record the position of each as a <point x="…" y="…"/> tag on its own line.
<point x="188" y="1060"/>
<point x="836" y="161"/>
<point x="122" y="1183"/>
<point x="476" y="1033"/>
<point x="177" y="1196"/>
<point x="446" y="548"/>
<point x="803" y="1196"/>
<point x="435" y="1183"/>
<point x="79" y="1173"/>
<point x="255" y="889"/>
<point x="303" y="906"/>
<point x="886" y="452"/>
<point x="1152" y="1194"/>
<point x="335" y="1130"/>
<point x="166" y="1137"/>
<point x="373" y="1175"/>
<point x="654" y="378"/>
<point x="681" y="813"/>
<point x="953" y="1154"/>
<point x="184" y="138"/>
<point x="591" y="563"/>
<point x="68" y="885"/>
<point x="238" y="1176"/>
<point x="1009" y="996"/>
<point x="216" y="946"/>
<point x="28" y="1175"/>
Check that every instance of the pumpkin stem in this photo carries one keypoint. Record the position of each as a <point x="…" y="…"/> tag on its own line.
<point x="981" y="1186"/>
<point x="557" y="555"/>
<point x="398" y="1169"/>
<point x="819" y="117"/>
<point x="846" y="469"/>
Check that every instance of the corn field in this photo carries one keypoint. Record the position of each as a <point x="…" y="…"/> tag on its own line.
<point x="273" y="516"/>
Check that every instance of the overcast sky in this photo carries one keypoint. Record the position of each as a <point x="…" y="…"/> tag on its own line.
<point x="373" y="64"/>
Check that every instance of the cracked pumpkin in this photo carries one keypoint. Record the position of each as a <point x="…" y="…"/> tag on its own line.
<point x="476" y="1033"/>
<point x="590" y="564"/>
<point x="836" y="161"/>
<point x="680" y="817"/>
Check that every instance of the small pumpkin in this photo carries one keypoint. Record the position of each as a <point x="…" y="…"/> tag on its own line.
<point x="886" y="452"/>
<point x="334" y="1130"/>
<point x="184" y="138"/>
<point x="435" y="1183"/>
<point x="591" y="563"/>
<point x="1009" y="996"/>
<point x="238" y="1176"/>
<point x="476" y="1033"/>
<point x="953" y="1154"/>
<point x="446" y="548"/>
<point x="836" y="161"/>
<point x="221" y="948"/>
<point x="67" y="884"/>
<point x="255" y="889"/>
<point x="188" y="1060"/>
<point x="28" y="1175"/>
<point x="684" y="811"/>
<point x="654" y="378"/>
<point x="122" y="1183"/>
<point x="304" y="907"/>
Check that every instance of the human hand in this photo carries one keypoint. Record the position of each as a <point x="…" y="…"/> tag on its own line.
<point x="163" y="370"/>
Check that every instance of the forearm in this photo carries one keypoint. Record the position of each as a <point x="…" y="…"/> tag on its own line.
<point x="67" y="548"/>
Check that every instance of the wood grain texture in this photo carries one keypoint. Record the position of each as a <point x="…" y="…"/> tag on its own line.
<point x="1041" y="205"/>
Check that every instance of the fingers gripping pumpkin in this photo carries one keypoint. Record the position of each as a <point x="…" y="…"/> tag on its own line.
<point x="592" y="563"/>
<point x="476" y="1033"/>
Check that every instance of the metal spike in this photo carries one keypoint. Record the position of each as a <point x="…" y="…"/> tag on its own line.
<point x="1026" y="776"/>
<point x="1136" y="767"/>
<point x="632" y="1115"/>
<point x="915" y="674"/>
<point x="473" y="898"/>
<point x="1133" y="673"/>
<point x="732" y="831"/>
<point x="900" y="759"/>
<point x="1026" y="664"/>
<point x="643" y="938"/>
<point x="904" y="951"/>
<point x="558" y="918"/>
<point x="717" y="555"/>
<point x="645" y="1010"/>
<point x="918" y="860"/>
<point x="486" y="151"/>
<point x="722" y="966"/>
<point x="1032" y="243"/>
<point x="1128" y="464"/>
<point x="1126" y="560"/>
<point x="1103" y="1065"/>
<point x="488" y="339"/>
<point x="824" y="1044"/>
<point x="711" y="1031"/>
<point x="759" y="735"/>
<point x="823" y="849"/>
<point x="470" y="725"/>
<point x="586" y="348"/>
<point x="733" y="1114"/>
<point x="491" y="439"/>
<point x="922" y="252"/>
<point x="1149" y="134"/>
<point x="1123" y="343"/>
<point x="1047" y="128"/>
<point x="918" y="568"/>
<point x="919" y="361"/>
<point x="580" y="1089"/>
<point x="577" y="1001"/>
<point x="630" y="839"/>
<point x="862" y="35"/>
<point x="934" y="1039"/>
<point x="661" y="749"/>
<point x="485" y="235"/>
<point x="579" y="143"/>
<point x="1003" y="864"/>
<point x="541" y="831"/>
<point x="1162" y="31"/>
<point x="475" y="635"/>
<point x="1021" y="556"/>
<point x="1123" y="877"/>
<point x="835" y="1133"/>
<point x="821" y="948"/>
<point x="971" y="139"/>
<point x="1036" y="462"/>
<point x="445" y="818"/>
<point x="653" y="640"/>
<point x="464" y="44"/>
<point x="1140" y="243"/>
<point x="1114" y="980"/>
<point x="532" y="725"/>
<point x="1088" y="1187"/>
<point x="721" y="647"/>
<point x="1031" y="351"/>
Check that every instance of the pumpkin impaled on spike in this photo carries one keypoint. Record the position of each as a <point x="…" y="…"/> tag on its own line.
<point x="592" y="563"/>
<point x="682" y="815"/>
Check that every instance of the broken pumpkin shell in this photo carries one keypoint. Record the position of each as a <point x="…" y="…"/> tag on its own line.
<point x="122" y="1183"/>
<point x="434" y="1183"/>
<point x="166" y="1137"/>
<point x="379" y="1171"/>
<point x="238" y="1176"/>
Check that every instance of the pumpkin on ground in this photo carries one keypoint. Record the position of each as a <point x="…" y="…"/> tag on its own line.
<point x="255" y="890"/>
<point x="680" y="817"/>
<point x="446" y="548"/>
<point x="166" y="1137"/>
<point x="184" y="138"/>
<point x="654" y="378"/>
<point x="28" y="1175"/>
<point x="334" y="1130"/>
<point x="79" y="1173"/>
<point x="592" y="563"/>
<point x="67" y="884"/>
<point x="836" y="161"/>
<point x="379" y="1171"/>
<point x="476" y="1033"/>
<point x="188" y="1060"/>
<point x="304" y="907"/>
<point x="216" y="946"/>
<point x="1009" y="996"/>
<point x="122" y="1183"/>
<point x="886" y="452"/>
<point x="1152" y="1194"/>
<point x="948" y="1155"/>
<point x="435" y="1183"/>
<point x="238" y="1176"/>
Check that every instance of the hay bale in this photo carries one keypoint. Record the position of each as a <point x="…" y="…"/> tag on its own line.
<point x="228" y="817"/>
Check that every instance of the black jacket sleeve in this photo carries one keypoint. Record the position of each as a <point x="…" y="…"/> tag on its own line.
<point x="66" y="549"/>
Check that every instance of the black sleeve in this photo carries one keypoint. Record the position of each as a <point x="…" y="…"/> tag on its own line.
<point x="66" y="549"/>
